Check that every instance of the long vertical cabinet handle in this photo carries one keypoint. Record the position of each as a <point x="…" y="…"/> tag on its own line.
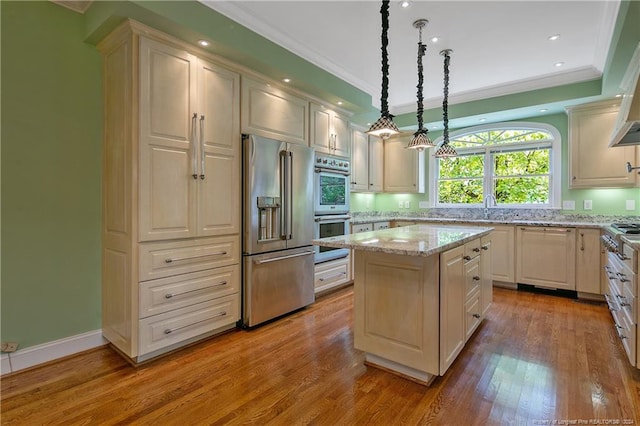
<point x="202" y="147"/>
<point x="582" y="241"/>
<point x="289" y="194"/>
<point x="193" y="145"/>
<point x="283" y="195"/>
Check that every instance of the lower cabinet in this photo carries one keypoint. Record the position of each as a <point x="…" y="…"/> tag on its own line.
<point x="332" y="274"/>
<point x="503" y="263"/>
<point x="546" y="257"/>
<point x="588" y="257"/>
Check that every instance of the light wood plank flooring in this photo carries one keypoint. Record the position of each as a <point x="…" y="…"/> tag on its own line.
<point x="536" y="359"/>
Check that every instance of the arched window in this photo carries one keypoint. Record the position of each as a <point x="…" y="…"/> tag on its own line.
<point x="517" y="163"/>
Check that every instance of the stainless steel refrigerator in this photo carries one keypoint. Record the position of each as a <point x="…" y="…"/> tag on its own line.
<point x="277" y="228"/>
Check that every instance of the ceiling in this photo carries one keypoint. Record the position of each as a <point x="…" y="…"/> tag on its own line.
<point x="499" y="47"/>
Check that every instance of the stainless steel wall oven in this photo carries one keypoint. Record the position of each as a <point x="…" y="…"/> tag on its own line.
<point x="331" y="226"/>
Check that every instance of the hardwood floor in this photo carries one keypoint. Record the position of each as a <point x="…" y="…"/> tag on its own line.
<point x="536" y="359"/>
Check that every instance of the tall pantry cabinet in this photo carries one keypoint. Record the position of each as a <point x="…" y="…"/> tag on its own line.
<point x="171" y="194"/>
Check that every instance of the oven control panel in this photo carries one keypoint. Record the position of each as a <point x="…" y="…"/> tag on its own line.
<point x="333" y="163"/>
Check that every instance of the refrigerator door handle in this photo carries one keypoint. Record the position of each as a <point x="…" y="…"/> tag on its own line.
<point x="289" y="205"/>
<point x="276" y="259"/>
<point x="284" y="184"/>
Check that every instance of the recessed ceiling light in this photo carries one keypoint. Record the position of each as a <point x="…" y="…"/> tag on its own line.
<point x="558" y="64"/>
<point x="553" y="37"/>
<point x="404" y="4"/>
<point x="286" y="80"/>
<point x="203" y="43"/>
<point x="339" y="102"/>
<point x="435" y="39"/>
<point x="483" y="119"/>
<point x="544" y="110"/>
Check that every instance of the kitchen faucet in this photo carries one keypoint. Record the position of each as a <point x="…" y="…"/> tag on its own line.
<point x="487" y="204"/>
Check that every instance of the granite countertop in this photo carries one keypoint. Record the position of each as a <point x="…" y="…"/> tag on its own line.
<point x="488" y="222"/>
<point x="414" y="240"/>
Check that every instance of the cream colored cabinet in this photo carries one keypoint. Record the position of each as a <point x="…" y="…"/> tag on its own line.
<point x="503" y="263"/>
<point x="486" y="262"/>
<point x="376" y="164"/>
<point x="330" y="131"/>
<point x="274" y="113"/>
<point x="546" y="257"/>
<point x="403" y="168"/>
<point x="452" y="306"/>
<point x="367" y="154"/>
<point x="189" y="145"/>
<point x="588" y="254"/>
<point x="359" y="161"/>
<point x="381" y="225"/>
<point x="592" y="163"/>
<point x="171" y="194"/>
<point x="332" y="274"/>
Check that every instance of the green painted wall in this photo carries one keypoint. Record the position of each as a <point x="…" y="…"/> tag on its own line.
<point x="605" y="201"/>
<point x="51" y="167"/>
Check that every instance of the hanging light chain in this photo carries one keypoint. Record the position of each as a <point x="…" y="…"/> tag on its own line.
<point x="422" y="48"/>
<point x="445" y="100"/>
<point x="384" y="11"/>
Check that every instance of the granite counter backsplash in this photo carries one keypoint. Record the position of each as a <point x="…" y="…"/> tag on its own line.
<point x="495" y="213"/>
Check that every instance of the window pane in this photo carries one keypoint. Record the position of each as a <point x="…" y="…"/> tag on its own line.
<point x="467" y="191"/>
<point x="461" y="167"/>
<point x="534" y="162"/>
<point x="522" y="190"/>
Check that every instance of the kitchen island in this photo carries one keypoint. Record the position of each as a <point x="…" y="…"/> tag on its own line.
<point x="420" y="293"/>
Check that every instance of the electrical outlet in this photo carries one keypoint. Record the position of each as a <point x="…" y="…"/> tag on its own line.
<point x="630" y="205"/>
<point x="9" y="346"/>
<point x="407" y="204"/>
<point x="568" y="205"/>
<point x="400" y="204"/>
<point x="587" y="204"/>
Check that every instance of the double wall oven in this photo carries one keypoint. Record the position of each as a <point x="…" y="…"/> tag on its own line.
<point x="331" y="203"/>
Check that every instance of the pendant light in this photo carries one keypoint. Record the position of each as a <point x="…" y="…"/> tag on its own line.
<point x="385" y="126"/>
<point x="420" y="139"/>
<point x="445" y="150"/>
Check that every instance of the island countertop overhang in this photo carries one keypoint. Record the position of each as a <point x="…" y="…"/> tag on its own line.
<point x="414" y="240"/>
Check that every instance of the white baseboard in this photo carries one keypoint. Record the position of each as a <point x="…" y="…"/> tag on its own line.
<point x="34" y="355"/>
<point x="5" y="365"/>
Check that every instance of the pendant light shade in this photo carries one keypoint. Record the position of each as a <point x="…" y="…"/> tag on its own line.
<point x="445" y="150"/>
<point x="420" y="140"/>
<point x="384" y="126"/>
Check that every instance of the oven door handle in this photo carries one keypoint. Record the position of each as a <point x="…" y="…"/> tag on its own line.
<point x="338" y="172"/>
<point x="332" y="218"/>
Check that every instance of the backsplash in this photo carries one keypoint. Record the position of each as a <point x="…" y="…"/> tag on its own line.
<point x="498" y="214"/>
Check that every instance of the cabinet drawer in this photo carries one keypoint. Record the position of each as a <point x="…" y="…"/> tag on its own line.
<point x="473" y="316"/>
<point x="160" y="331"/>
<point x="361" y="227"/>
<point x="165" y="259"/>
<point x="472" y="249"/>
<point x="381" y="225"/>
<point x="166" y="294"/>
<point x="627" y="333"/>
<point x="472" y="277"/>
<point x="331" y="274"/>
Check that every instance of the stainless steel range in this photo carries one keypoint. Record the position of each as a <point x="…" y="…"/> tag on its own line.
<point x="611" y="237"/>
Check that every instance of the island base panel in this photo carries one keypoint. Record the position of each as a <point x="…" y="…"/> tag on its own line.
<point x="404" y="371"/>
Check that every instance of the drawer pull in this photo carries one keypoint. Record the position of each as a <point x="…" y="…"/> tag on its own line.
<point x="476" y="316"/>
<point x="277" y="259"/>
<point x="170" y="295"/>
<point x="476" y="249"/>
<point x="338" y="275"/>
<point x="476" y="278"/>
<point x="611" y="308"/>
<point x="485" y="247"/>
<point x="466" y="257"/>
<point x="180" y="259"/>
<point x="623" y="304"/>
<point x="171" y="330"/>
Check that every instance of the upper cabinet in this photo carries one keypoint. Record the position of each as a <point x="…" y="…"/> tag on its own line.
<point x="273" y="113"/>
<point x="367" y="153"/>
<point x="189" y="145"/>
<point x="403" y="168"/>
<point x="330" y="131"/>
<point x="592" y="163"/>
